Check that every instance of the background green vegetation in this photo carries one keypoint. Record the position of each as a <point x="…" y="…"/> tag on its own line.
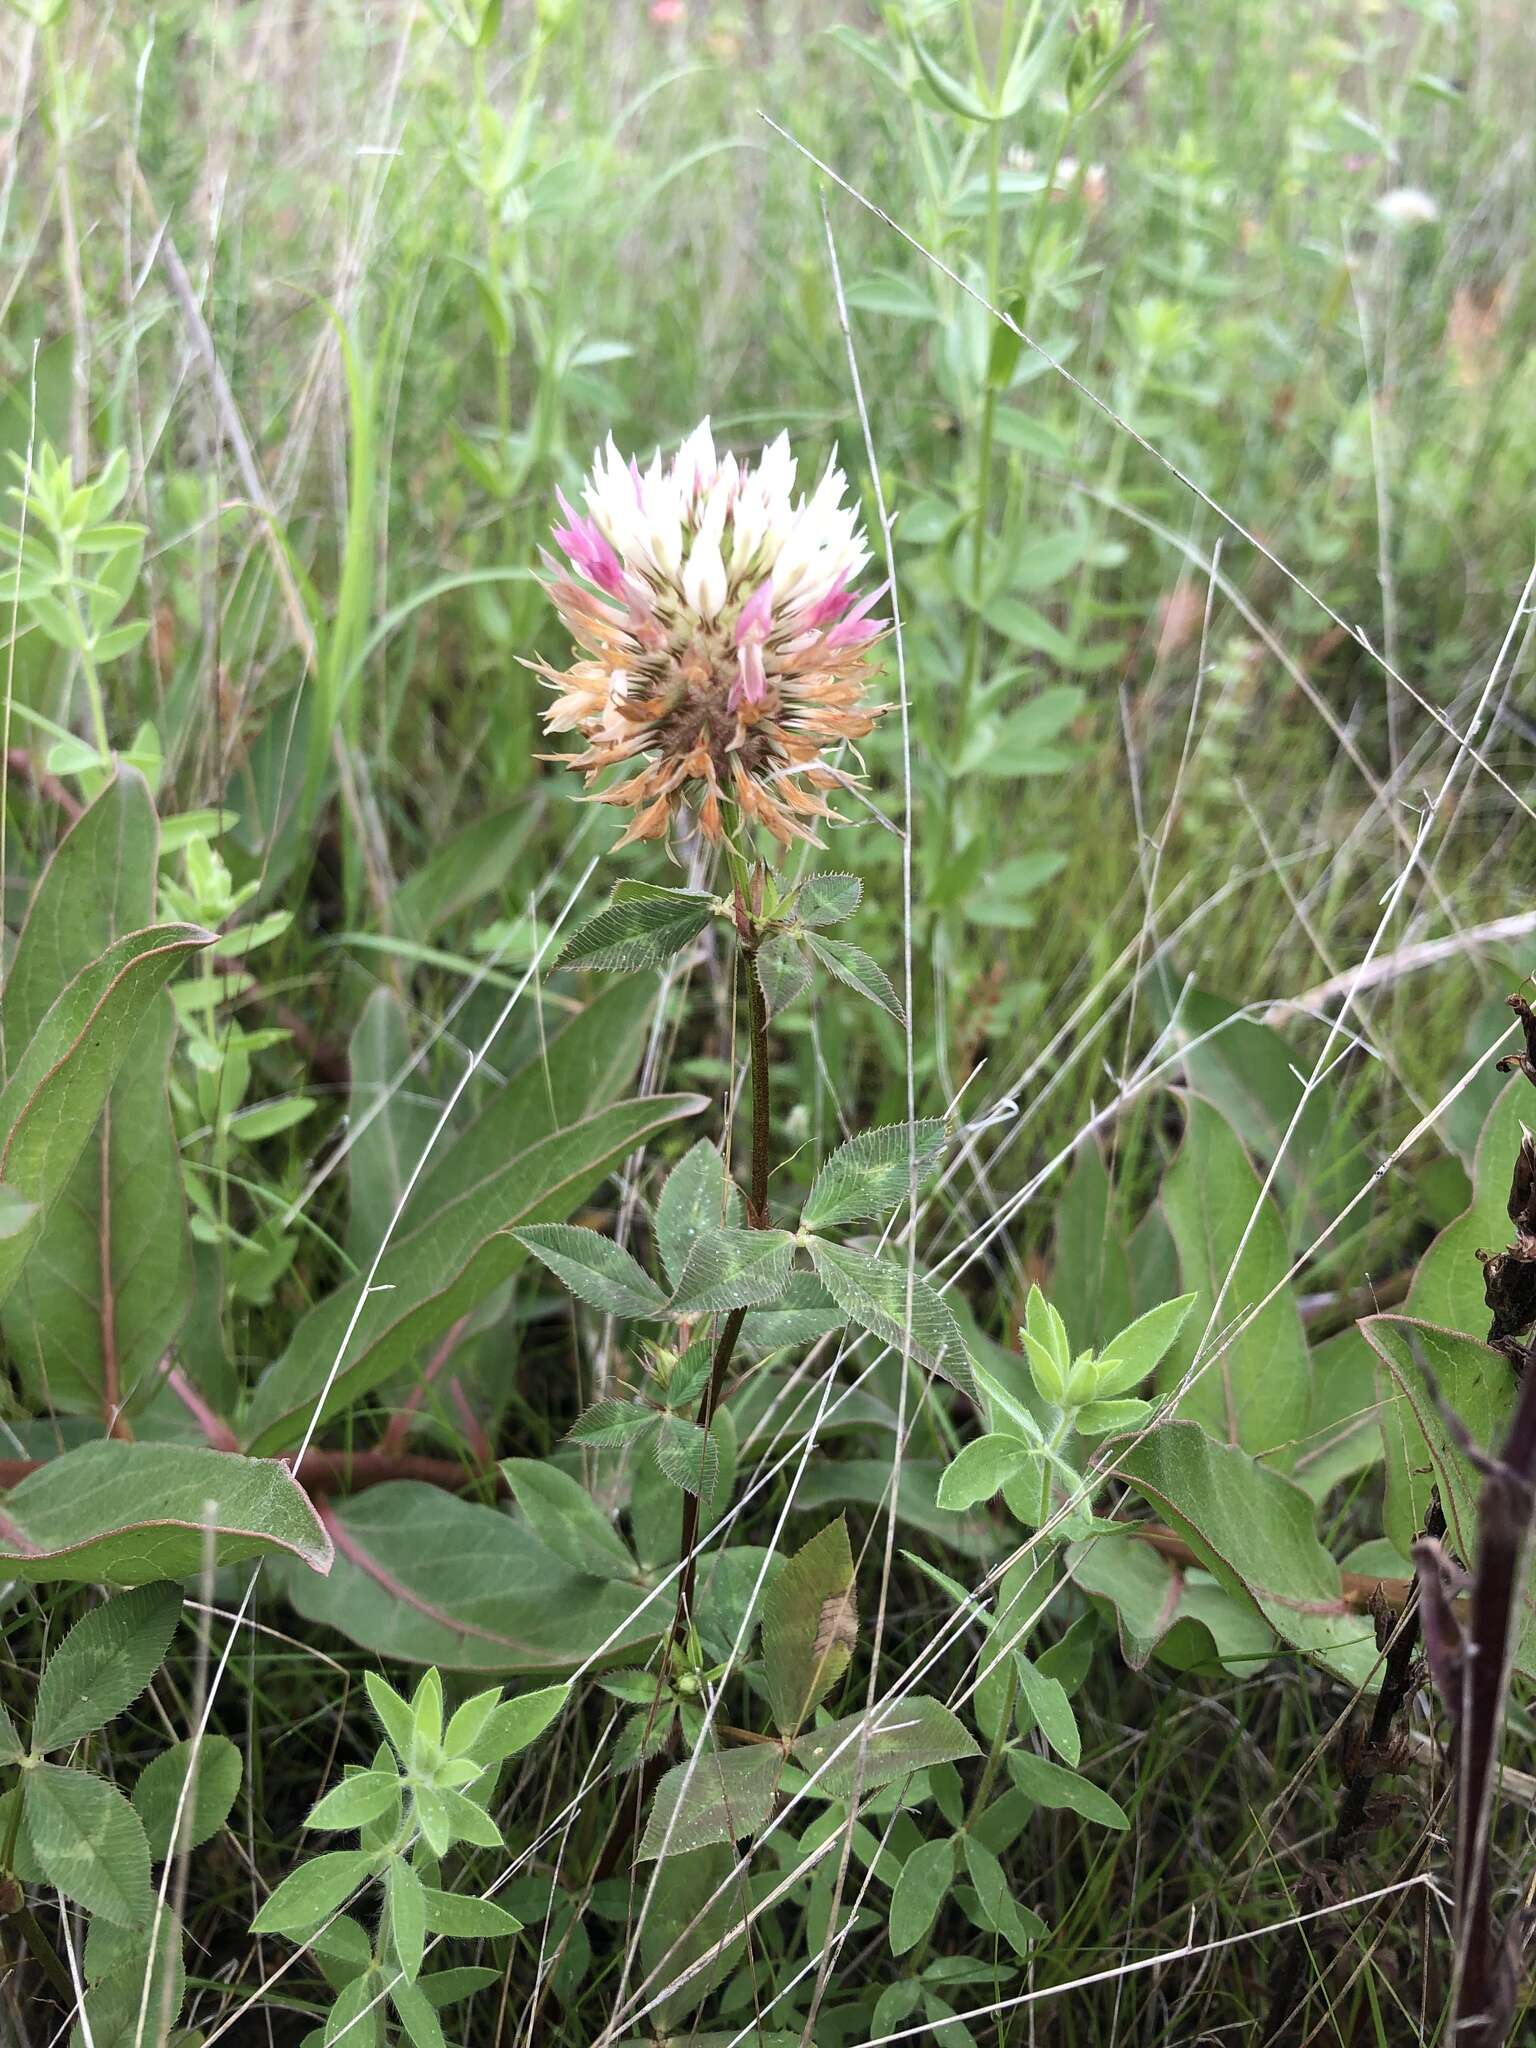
<point x="353" y="295"/>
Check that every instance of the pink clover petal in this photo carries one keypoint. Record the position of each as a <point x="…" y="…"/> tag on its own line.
<point x="589" y="550"/>
<point x="856" y="632"/>
<point x="756" y="616"/>
<point x="751" y="685"/>
<point x="849" y="631"/>
<point x="832" y="606"/>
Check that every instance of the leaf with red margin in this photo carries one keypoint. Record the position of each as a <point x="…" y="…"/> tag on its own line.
<point x="126" y="1514"/>
<point x="108" y="1283"/>
<point x="59" y="1086"/>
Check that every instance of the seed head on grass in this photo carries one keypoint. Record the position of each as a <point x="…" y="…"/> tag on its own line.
<point x="723" y="645"/>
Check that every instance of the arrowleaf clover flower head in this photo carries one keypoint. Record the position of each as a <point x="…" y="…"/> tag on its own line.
<point x="722" y="644"/>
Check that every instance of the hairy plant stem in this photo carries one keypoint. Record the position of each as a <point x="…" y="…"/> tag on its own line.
<point x="757" y="1218"/>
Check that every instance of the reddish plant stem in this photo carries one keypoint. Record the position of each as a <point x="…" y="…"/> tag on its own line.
<point x="1361" y="1591"/>
<point x="209" y="1421"/>
<point x="396" y="1435"/>
<point x="19" y="762"/>
<point x="334" y="1471"/>
<point x="111" y="1378"/>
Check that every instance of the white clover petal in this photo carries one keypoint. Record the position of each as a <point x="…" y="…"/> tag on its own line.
<point x="704" y="579"/>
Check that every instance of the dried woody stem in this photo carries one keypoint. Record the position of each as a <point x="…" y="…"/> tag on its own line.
<point x="1471" y="1667"/>
<point x="1378" y="1753"/>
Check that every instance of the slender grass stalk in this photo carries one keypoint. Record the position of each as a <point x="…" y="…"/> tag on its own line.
<point x="74" y="284"/>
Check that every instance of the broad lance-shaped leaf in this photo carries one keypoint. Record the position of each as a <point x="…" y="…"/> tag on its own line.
<point x="1184" y="1616"/>
<point x="810" y="1625"/>
<point x="103" y="1664"/>
<point x="1424" y="1372"/>
<point x="108" y="1283"/>
<point x="713" y="1797"/>
<point x="1249" y="1073"/>
<point x="98" y="884"/>
<point x="595" y="1268"/>
<point x="869" y="1750"/>
<point x="463" y="870"/>
<point x="875" y="1293"/>
<point x="1447" y="1285"/>
<point x="124" y="1514"/>
<point x="868" y="1177"/>
<point x="733" y="1269"/>
<point x="1253" y="1389"/>
<point x="431" y="1579"/>
<point x="1254" y="1531"/>
<point x="445" y="1268"/>
<point x="58" y="1087"/>
<point x="586" y="1065"/>
<point x="390" y="1116"/>
<point x="1090" y="1270"/>
<point x="643" y="927"/>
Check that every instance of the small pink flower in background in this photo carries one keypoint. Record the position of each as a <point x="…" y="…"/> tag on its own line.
<point x="724" y="645"/>
<point x="667" y="13"/>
